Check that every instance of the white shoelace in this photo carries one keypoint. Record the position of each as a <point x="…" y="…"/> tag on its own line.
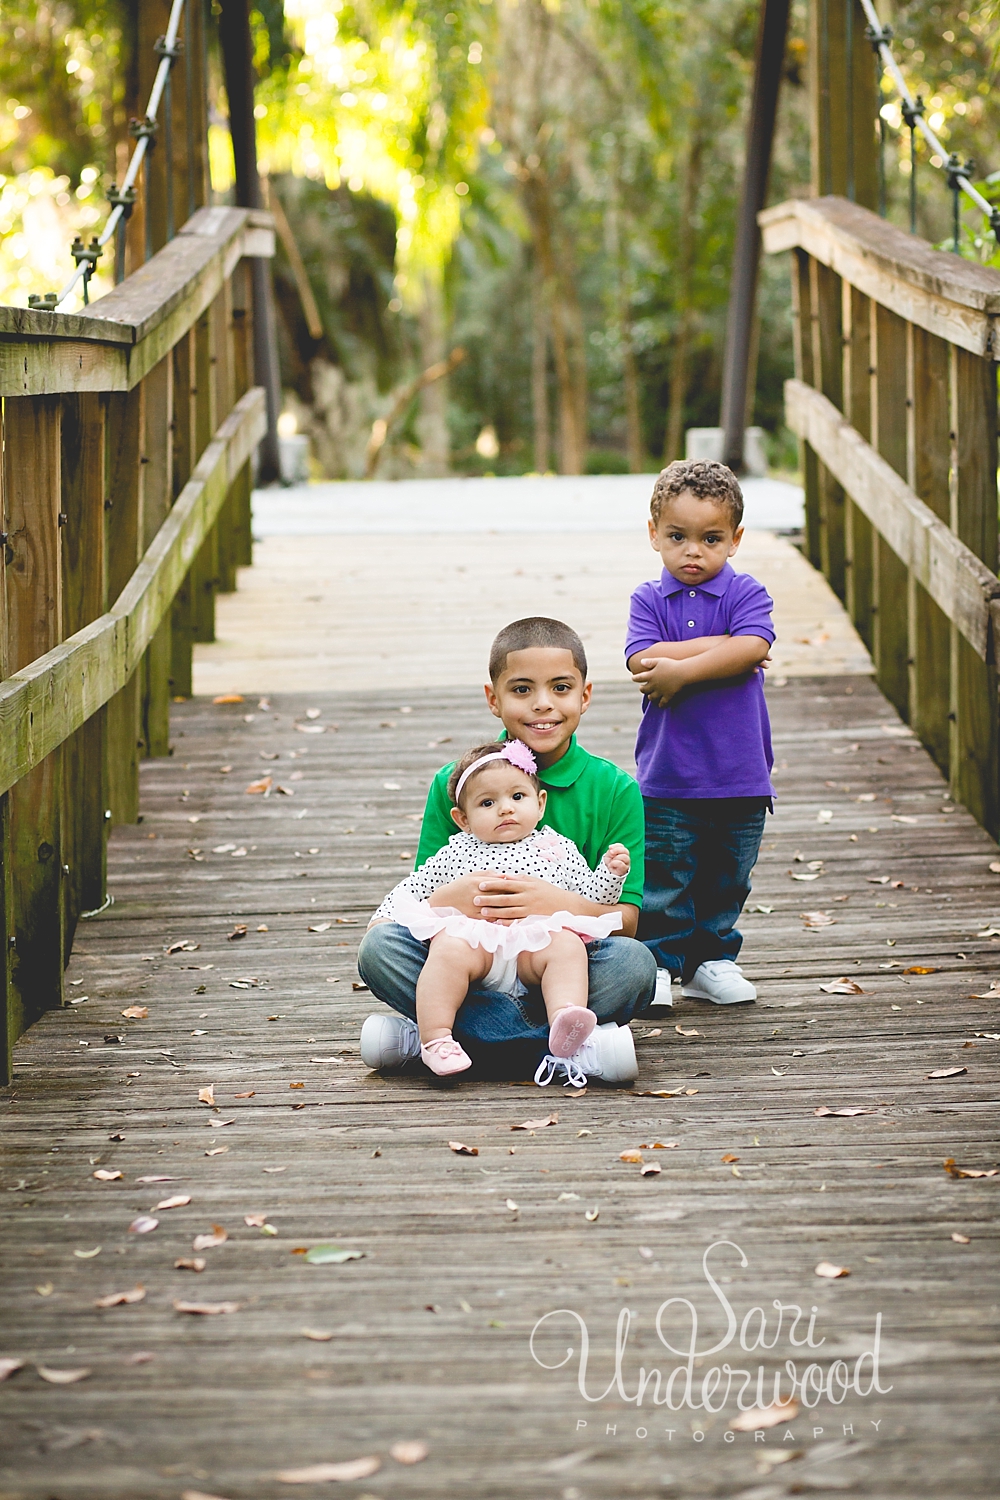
<point x="552" y="1066"/>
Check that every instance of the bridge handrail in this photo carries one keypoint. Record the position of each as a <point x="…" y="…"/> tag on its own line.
<point x="953" y="298"/>
<point x="44" y="703"/>
<point x="121" y="337"/>
<point x="895" y="404"/>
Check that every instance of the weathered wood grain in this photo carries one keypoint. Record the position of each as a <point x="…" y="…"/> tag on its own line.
<point x="955" y="299"/>
<point x="45" y="701"/>
<point x="431" y="1328"/>
<point x="951" y="573"/>
<point x="135" y="325"/>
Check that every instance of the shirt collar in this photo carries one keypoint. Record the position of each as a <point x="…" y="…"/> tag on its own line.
<point x="717" y="586"/>
<point x="568" y="769"/>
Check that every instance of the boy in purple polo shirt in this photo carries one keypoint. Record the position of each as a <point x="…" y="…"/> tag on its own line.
<point x="697" y="638"/>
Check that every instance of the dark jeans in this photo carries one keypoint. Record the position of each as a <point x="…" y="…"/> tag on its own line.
<point x="699" y="855"/>
<point x="504" y="1036"/>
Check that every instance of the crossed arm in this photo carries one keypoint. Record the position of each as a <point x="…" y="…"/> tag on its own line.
<point x="507" y="898"/>
<point x="661" y="671"/>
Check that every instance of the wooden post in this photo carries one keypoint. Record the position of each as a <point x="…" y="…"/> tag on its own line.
<point x="888" y="417"/>
<point x="157" y="498"/>
<point x="242" y="379"/>
<point x="856" y="320"/>
<point x="825" y="297"/>
<point x="805" y="370"/>
<point x="205" y="571"/>
<point x="84" y="599"/>
<point x="32" y="496"/>
<point x="927" y="457"/>
<point x="975" y="741"/>
<point x="843" y="103"/>
<point x="223" y="375"/>
<point x="123" y="529"/>
<point x="185" y="457"/>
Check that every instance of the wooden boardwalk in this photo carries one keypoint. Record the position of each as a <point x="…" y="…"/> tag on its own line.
<point x="426" y="1336"/>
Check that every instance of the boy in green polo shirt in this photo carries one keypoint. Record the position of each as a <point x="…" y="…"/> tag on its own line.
<point x="538" y="689"/>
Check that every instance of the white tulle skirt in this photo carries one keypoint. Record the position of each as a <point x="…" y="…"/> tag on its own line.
<point x="506" y="943"/>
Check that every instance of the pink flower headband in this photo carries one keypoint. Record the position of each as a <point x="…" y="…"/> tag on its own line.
<point x="516" y="751"/>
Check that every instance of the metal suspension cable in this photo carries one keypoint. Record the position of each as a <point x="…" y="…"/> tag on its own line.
<point x="880" y="37"/>
<point x="85" y="268"/>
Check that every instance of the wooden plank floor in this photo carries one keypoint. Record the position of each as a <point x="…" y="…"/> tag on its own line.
<point x="430" y="1329"/>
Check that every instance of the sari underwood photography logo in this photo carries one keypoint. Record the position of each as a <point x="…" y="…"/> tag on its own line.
<point x="738" y="1384"/>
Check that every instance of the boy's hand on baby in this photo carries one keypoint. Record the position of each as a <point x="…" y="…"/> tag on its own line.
<point x="618" y="859"/>
<point x="660" y="679"/>
<point x="462" y="892"/>
<point x="508" y="898"/>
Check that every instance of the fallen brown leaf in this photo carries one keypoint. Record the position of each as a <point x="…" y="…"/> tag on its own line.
<point x="766" y="1416"/>
<point x="104" y="1175"/>
<point x="824" y="1110"/>
<point x="9" y="1367"/>
<point x="136" y="1012"/>
<point x="658" y="1145"/>
<point x="117" y="1299"/>
<point x="218" y="1236"/>
<point x="229" y="698"/>
<point x="947" y="1072"/>
<point x="843" y="986"/>
<point x="649" y="1169"/>
<point x="248" y="1095"/>
<point x="218" y="1124"/>
<point x="207" y="1095"/>
<point x="592" y="1215"/>
<point x="191" y="1263"/>
<point x="817" y="919"/>
<point x="61" y="1377"/>
<point x="461" y="1150"/>
<point x="354" y="1468"/>
<point x="956" y="1171"/>
<point x="827" y="1269"/>
<point x="239" y="931"/>
<point x="257" y="787"/>
<point x="318" y="1335"/>
<point x="207" y="1309"/>
<point x="681" y="1032"/>
<point x="320" y="927"/>
<point x="217" y="1151"/>
<point x="537" y="1124"/>
<point x="143" y="1225"/>
<point x="961" y="1239"/>
<point x="255" y="1221"/>
<point x="919" y="969"/>
<point x="631" y="1155"/>
<point x="729" y="1157"/>
<point x="181" y="1201"/>
<point x="413" y="1452"/>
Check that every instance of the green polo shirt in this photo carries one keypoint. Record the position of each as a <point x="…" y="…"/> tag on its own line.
<point x="591" y="801"/>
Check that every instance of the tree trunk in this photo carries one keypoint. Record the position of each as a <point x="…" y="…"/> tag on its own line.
<point x="432" y="423"/>
<point x="687" y="242"/>
<point x="539" y="371"/>
<point x="630" y="382"/>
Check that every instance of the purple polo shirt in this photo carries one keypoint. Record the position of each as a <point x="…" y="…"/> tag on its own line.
<point x="714" y="738"/>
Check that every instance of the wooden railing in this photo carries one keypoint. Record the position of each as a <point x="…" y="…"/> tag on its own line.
<point x="895" y="400"/>
<point x="127" y="435"/>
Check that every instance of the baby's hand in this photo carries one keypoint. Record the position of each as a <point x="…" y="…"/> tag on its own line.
<point x="618" y="860"/>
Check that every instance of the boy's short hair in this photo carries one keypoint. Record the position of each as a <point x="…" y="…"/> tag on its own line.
<point x="536" y="630"/>
<point x="469" y="759"/>
<point x="706" y="479"/>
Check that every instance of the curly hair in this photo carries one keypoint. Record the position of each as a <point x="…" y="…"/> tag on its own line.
<point x="702" y="477"/>
<point x="469" y="759"/>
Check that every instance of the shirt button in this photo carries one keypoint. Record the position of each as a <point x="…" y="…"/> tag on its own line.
<point x="691" y="624"/>
<point x="692" y="593"/>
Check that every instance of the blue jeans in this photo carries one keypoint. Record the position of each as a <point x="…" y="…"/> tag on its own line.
<point x="699" y="855"/>
<point x="504" y="1036"/>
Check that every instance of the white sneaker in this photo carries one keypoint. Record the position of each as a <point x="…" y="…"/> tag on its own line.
<point x="662" y="997"/>
<point x="608" y="1054"/>
<point x="388" y="1041"/>
<point x="722" y="982"/>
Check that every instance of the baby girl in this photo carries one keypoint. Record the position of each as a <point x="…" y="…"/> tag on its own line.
<point x="498" y="803"/>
